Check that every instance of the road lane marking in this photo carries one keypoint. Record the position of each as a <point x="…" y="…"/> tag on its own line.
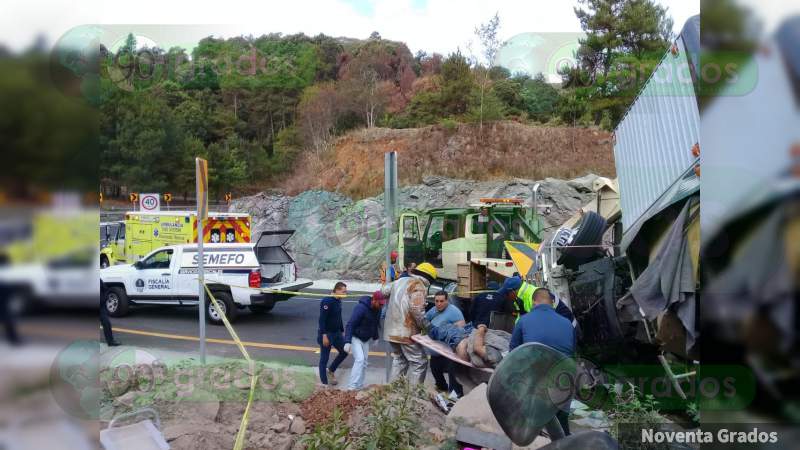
<point x="180" y="337"/>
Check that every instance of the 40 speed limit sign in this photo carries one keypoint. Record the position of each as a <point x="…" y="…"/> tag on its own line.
<point x="149" y="202"/>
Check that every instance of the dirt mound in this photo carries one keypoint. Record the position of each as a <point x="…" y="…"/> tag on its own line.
<point x="319" y="407"/>
<point x="500" y="150"/>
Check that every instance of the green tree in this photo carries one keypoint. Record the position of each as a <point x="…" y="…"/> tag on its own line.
<point x="457" y="84"/>
<point x="539" y="98"/>
<point x="624" y="41"/>
<point x="487" y="34"/>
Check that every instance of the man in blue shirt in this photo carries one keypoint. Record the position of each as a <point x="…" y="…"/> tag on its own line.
<point x="443" y="313"/>
<point x="330" y="333"/>
<point x="546" y="326"/>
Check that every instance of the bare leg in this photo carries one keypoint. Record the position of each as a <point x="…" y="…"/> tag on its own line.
<point x="480" y="348"/>
<point x="461" y="350"/>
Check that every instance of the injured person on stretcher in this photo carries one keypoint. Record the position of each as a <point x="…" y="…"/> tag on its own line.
<point x="480" y="346"/>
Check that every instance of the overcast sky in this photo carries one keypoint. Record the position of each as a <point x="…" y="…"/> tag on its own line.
<point x="430" y="25"/>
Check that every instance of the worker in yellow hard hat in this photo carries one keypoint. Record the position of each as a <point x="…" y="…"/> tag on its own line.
<point x="405" y="295"/>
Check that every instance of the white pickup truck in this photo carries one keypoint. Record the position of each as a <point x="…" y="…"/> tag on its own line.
<point x="235" y="274"/>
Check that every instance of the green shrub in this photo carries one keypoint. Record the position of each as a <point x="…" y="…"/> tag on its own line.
<point x="449" y="123"/>
<point x="331" y="435"/>
<point x="630" y="412"/>
<point x="394" y="419"/>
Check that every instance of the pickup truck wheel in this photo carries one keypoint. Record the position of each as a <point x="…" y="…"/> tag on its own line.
<point x="116" y="302"/>
<point x="225" y="302"/>
<point x="104" y="262"/>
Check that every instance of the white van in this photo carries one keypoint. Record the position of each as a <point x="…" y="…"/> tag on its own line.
<point x="235" y="273"/>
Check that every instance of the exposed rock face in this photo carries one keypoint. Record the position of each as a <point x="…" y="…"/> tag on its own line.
<point x="336" y="237"/>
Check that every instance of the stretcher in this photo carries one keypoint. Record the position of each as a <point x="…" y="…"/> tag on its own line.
<point x="445" y="350"/>
<point x="466" y="373"/>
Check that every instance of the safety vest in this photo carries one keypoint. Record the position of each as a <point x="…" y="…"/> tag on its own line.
<point x="525" y="293"/>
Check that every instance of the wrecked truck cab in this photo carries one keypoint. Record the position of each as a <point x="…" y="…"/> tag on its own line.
<point x="454" y="236"/>
<point x="635" y="299"/>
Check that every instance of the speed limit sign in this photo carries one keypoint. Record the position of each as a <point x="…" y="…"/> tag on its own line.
<point x="149" y="202"/>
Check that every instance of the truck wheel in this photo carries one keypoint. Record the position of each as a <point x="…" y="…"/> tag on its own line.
<point x="225" y="302"/>
<point x="116" y="302"/>
<point x="589" y="234"/>
<point x="104" y="262"/>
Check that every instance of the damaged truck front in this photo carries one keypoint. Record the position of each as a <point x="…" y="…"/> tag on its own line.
<point x="634" y="293"/>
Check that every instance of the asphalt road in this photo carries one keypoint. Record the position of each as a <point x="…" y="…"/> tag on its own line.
<point x="287" y="333"/>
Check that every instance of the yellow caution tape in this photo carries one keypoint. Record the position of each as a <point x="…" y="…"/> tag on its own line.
<point x="314" y="294"/>
<point x="239" y="443"/>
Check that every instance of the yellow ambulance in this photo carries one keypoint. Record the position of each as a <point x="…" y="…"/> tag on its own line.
<point x="146" y="231"/>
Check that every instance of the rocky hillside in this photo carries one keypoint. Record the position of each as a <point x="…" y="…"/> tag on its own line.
<point x="337" y="237"/>
<point x="501" y="150"/>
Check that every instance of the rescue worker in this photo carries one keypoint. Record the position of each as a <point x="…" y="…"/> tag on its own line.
<point x="104" y="321"/>
<point x="389" y="274"/>
<point x="411" y="266"/>
<point x="524" y="303"/>
<point x="330" y="333"/>
<point x="443" y="313"/>
<point x="407" y="294"/>
<point x="485" y="303"/>
<point x="7" y="315"/>
<point x="362" y="326"/>
<point x="546" y="326"/>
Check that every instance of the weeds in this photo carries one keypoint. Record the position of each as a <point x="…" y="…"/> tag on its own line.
<point x="693" y="411"/>
<point x="393" y="423"/>
<point x="449" y="123"/>
<point x="331" y="435"/>
<point x="629" y="414"/>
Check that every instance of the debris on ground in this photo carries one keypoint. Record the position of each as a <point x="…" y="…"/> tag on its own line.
<point x="318" y="408"/>
<point x="472" y="410"/>
<point x="586" y="418"/>
<point x="401" y="412"/>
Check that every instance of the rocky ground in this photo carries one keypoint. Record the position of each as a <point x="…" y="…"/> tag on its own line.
<point x="337" y="237"/>
<point x="397" y="413"/>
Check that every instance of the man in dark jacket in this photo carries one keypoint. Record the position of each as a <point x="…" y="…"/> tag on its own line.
<point x="330" y="333"/>
<point x="362" y="326"/>
<point x="104" y="321"/>
<point x="485" y="303"/>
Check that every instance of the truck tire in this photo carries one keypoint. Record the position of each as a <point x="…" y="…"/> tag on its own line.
<point x="116" y="302"/>
<point x="103" y="261"/>
<point x="226" y="303"/>
<point x="590" y="233"/>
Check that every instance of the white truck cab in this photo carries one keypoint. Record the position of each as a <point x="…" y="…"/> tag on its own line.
<point x="235" y="274"/>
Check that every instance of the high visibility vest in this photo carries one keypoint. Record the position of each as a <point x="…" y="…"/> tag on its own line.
<point x="525" y="293"/>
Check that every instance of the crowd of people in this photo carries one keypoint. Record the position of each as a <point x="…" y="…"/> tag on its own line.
<point x="400" y="310"/>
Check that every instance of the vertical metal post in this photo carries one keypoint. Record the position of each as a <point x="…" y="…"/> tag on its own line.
<point x="390" y="202"/>
<point x="201" y="173"/>
<point x="201" y="305"/>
